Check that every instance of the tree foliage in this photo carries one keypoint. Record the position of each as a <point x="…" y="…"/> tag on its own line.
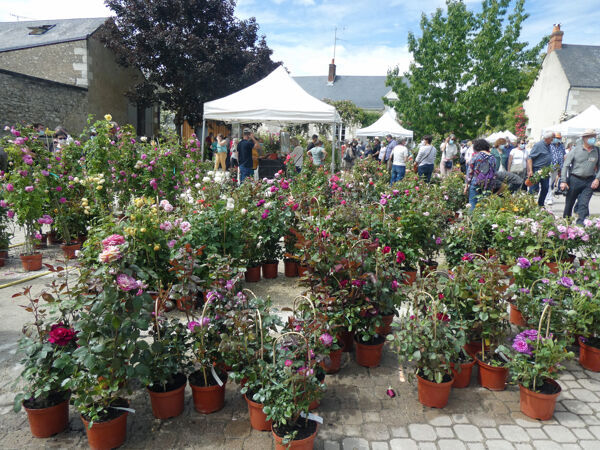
<point x="468" y="69"/>
<point x="190" y="51"/>
<point x="353" y="115"/>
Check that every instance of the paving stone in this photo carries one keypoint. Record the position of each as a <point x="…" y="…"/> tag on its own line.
<point x="590" y="420"/>
<point x="427" y="445"/>
<point x="355" y="444"/>
<point x="559" y="433"/>
<point x="370" y="416"/>
<point x="584" y="395"/>
<point x="523" y="447"/>
<point x="569" y="420"/>
<point x="582" y="433"/>
<point x="482" y="420"/>
<point x="589" y="445"/>
<point x="590" y="384"/>
<point x="451" y="444"/>
<point x="379" y="446"/>
<point x="536" y="433"/>
<point x="444" y="432"/>
<point x="237" y="429"/>
<point x="460" y="418"/>
<point x="546" y="445"/>
<point x="571" y="384"/>
<point x="491" y="433"/>
<point x="475" y="446"/>
<point x="375" y="432"/>
<point x="577" y="407"/>
<point x="566" y="375"/>
<point x="595" y="430"/>
<point x="331" y="445"/>
<point x="399" y="432"/>
<point x="468" y="433"/>
<point x="495" y="444"/>
<point x="440" y="421"/>
<point x="513" y="433"/>
<point x="403" y="444"/>
<point x="421" y="432"/>
<point x="524" y="421"/>
<point x="595" y="406"/>
<point x="571" y="447"/>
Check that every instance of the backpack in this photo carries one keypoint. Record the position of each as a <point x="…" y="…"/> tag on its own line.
<point x="484" y="169"/>
<point x="347" y="155"/>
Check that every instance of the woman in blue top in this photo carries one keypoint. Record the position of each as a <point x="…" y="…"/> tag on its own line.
<point x="221" y="159"/>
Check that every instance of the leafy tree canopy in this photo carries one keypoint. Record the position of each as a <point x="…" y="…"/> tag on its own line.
<point x="468" y="69"/>
<point x="190" y="51"/>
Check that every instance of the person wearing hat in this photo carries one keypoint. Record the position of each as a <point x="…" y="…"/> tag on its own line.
<point x="584" y="177"/>
<point x="558" y="158"/>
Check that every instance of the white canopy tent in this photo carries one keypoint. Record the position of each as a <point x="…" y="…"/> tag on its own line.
<point x="386" y="124"/>
<point x="590" y="118"/>
<point x="277" y="98"/>
<point x="501" y="135"/>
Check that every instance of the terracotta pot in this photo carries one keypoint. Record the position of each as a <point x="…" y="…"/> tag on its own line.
<point x="209" y="399"/>
<point x="167" y="404"/>
<point x="553" y="266"/>
<point x="335" y="362"/>
<point x="31" y="263"/>
<point x="303" y="270"/>
<point x="252" y="274"/>
<point x="462" y="379"/>
<point x="46" y="422"/>
<point x="368" y="355"/>
<point x="3" y="257"/>
<point x="472" y="348"/>
<point x="70" y="249"/>
<point x="589" y="357"/>
<point x="314" y="405"/>
<point x="290" y="268"/>
<point x="528" y="182"/>
<point x="184" y="303"/>
<point x="269" y="270"/>
<point x="492" y="378"/>
<point x="106" y="435"/>
<point x="346" y="340"/>
<point x="386" y="328"/>
<point x="410" y="276"/>
<point x="301" y="444"/>
<point x="258" y="419"/>
<point x="538" y="405"/>
<point x="516" y="317"/>
<point x="434" y="395"/>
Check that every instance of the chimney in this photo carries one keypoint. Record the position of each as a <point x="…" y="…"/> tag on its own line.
<point x="331" y="76"/>
<point x="555" y="39"/>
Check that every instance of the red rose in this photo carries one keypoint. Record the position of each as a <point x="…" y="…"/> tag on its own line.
<point x="60" y="335"/>
<point x="400" y="257"/>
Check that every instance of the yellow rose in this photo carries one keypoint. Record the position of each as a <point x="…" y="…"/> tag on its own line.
<point x="156" y="247"/>
<point x="108" y="117"/>
<point x="99" y="187"/>
<point x="142" y="230"/>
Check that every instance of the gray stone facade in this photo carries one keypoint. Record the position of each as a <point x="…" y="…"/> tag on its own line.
<point x="27" y="99"/>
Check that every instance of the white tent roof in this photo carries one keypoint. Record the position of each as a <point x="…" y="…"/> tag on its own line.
<point x="590" y="118"/>
<point x="276" y="98"/>
<point x="501" y="134"/>
<point x="386" y="124"/>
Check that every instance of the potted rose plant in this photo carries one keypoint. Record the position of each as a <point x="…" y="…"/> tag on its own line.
<point x="46" y="346"/>
<point x="535" y="366"/>
<point x="431" y="339"/>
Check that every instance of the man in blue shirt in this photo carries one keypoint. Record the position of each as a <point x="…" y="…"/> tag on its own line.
<point x="540" y="157"/>
<point x="388" y="150"/>
<point x="244" y="149"/>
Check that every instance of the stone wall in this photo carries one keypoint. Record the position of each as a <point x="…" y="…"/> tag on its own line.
<point x="65" y="62"/>
<point x="581" y="99"/>
<point x="27" y="99"/>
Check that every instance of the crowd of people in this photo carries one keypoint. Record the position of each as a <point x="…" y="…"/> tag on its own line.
<point x="572" y="170"/>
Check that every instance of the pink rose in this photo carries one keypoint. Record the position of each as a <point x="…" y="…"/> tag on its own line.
<point x="185" y="226"/>
<point x="10" y="187"/>
<point x="112" y="240"/>
<point x="126" y="283"/>
<point x="110" y="254"/>
<point x="29" y="188"/>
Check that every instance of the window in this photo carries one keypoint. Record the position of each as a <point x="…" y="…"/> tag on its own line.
<point x="41" y="29"/>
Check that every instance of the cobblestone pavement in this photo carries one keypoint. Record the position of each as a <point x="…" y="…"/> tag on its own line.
<point x="357" y="412"/>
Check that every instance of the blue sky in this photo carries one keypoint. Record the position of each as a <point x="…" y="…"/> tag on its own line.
<point x="373" y="33"/>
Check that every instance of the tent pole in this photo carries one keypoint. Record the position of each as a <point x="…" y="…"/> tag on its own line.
<point x="333" y="152"/>
<point x="203" y="138"/>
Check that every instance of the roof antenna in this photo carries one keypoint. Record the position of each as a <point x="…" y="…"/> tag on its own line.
<point x="335" y="41"/>
<point x="20" y="17"/>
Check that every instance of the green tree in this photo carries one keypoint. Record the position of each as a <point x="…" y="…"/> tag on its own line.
<point x="468" y="69"/>
<point x="190" y="51"/>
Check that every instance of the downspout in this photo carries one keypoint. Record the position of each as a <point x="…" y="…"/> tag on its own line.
<point x="567" y="101"/>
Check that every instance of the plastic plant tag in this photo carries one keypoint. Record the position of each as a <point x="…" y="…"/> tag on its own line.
<point x="215" y="376"/>
<point x="390" y="392"/>
<point x="312" y="417"/>
<point x="131" y="410"/>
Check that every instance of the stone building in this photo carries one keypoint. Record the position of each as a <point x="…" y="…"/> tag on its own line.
<point x="568" y="83"/>
<point x="56" y="72"/>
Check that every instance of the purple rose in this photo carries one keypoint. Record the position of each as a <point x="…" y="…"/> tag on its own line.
<point x="29" y="188"/>
<point x="126" y="283"/>
<point x="565" y="281"/>
<point x="10" y="187"/>
<point x="326" y="339"/>
<point x="523" y="263"/>
<point x="521" y="346"/>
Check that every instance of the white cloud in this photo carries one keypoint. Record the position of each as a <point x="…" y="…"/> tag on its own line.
<point x="44" y="9"/>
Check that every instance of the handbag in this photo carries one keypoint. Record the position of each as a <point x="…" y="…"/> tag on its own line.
<point x="448" y="164"/>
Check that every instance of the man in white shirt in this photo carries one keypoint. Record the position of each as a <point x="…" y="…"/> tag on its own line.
<point x="297" y="155"/>
<point x="397" y="161"/>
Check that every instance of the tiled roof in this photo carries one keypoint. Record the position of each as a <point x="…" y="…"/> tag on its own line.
<point x="15" y="35"/>
<point x="581" y="64"/>
<point x="364" y="91"/>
